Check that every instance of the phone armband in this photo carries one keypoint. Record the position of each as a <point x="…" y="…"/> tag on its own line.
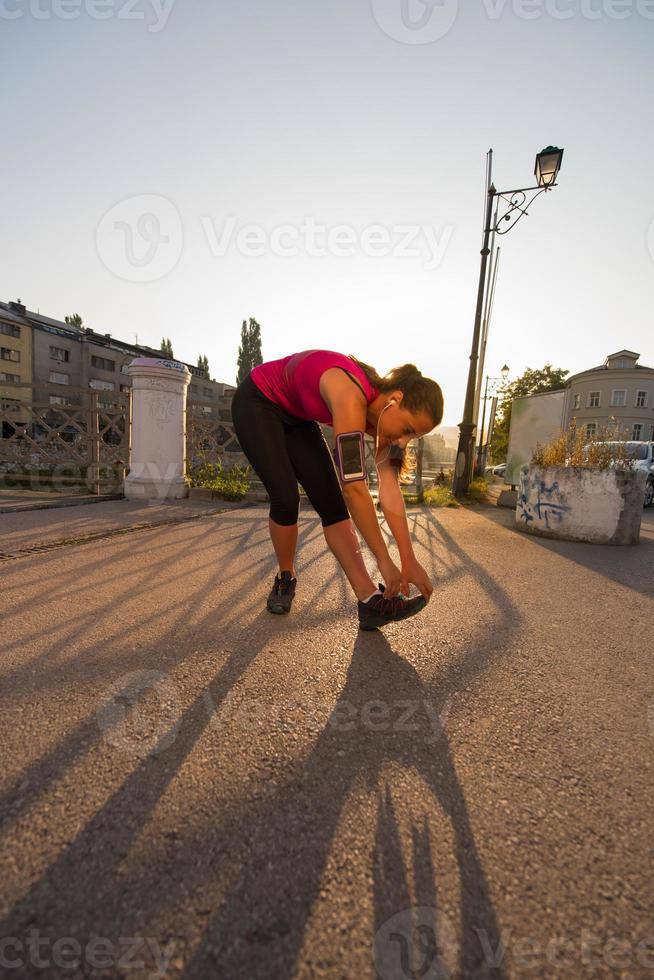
<point x="350" y="456"/>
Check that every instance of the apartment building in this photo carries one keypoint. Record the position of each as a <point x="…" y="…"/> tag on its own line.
<point x="15" y="352"/>
<point x="42" y="349"/>
<point x="618" y="393"/>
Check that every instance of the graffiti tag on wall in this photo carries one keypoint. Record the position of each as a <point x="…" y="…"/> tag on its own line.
<point x="539" y="502"/>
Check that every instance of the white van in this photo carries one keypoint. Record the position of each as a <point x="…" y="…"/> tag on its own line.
<point x="642" y="456"/>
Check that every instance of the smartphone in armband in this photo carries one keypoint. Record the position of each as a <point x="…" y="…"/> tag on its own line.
<point x="349" y="456"/>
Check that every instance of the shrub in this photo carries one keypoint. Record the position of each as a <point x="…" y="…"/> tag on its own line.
<point x="440" y="496"/>
<point x="230" y="484"/>
<point x="606" y="448"/>
<point x="478" y="489"/>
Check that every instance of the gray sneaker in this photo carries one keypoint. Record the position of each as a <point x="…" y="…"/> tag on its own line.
<point x="282" y="593"/>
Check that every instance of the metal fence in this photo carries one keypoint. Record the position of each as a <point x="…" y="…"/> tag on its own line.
<point x="210" y="435"/>
<point x="56" y="437"/>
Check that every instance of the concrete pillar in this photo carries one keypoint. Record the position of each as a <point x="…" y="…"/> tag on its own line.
<point x="158" y="444"/>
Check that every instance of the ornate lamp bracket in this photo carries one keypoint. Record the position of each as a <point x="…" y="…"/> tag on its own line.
<point x="516" y="206"/>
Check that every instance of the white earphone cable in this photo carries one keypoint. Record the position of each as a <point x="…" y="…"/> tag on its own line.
<point x="388" y="405"/>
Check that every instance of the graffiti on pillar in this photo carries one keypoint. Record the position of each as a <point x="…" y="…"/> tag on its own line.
<point x="162" y="408"/>
<point x="537" y="501"/>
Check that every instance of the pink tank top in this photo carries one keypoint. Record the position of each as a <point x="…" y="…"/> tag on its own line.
<point x="293" y="382"/>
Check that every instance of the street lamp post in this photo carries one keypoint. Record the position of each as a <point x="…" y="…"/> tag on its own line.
<point x="547" y="166"/>
<point x="480" y="448"/>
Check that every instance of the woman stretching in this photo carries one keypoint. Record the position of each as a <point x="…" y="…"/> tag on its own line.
<point x="276" y="410"/>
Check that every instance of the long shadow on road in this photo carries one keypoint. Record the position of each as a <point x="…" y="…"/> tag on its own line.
<point x="284" y="838"/>
<point x="260" y="929"/>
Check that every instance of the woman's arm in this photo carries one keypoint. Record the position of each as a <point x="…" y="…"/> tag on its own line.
<point x="392" y="504"/>
<point x="348" y="407"/>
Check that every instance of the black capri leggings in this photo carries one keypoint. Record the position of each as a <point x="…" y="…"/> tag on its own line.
<point x="284" y="449"/>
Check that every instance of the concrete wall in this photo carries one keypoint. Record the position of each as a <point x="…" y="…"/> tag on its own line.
<point x="577" y="504"/>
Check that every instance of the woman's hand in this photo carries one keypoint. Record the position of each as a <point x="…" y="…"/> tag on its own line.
<point x="412" y="571"/>
<point x="392" y="576"/>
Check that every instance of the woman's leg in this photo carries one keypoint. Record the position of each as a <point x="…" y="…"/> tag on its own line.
<point x="284" y="539"/>
<point x="261" y="434"/>
<point x="343" y="541"/>
<point x="315" y="470"/>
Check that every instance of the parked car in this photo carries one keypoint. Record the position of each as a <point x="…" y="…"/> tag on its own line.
<point x="641" y="455"/>
<point x="499" y="470"/>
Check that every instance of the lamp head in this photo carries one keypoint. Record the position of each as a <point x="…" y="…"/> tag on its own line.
<point x="548" y="164"/>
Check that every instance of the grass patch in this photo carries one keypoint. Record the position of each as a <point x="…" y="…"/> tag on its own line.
<point x="442" y="496"/>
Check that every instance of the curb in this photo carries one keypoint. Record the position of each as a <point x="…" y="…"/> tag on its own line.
<point x="56" y="504"/>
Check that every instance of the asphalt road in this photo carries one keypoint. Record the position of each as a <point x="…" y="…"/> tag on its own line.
<point x="194" y="788"/>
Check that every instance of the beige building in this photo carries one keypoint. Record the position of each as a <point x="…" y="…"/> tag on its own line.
<point x="618" y="394"/>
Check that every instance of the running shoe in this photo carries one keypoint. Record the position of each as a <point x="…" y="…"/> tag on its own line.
<point x="281" y="595"/>
<point x="381" y="610"/>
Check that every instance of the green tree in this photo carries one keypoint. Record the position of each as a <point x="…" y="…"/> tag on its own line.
<point x="203" y="364"/>
<point x="74" y="320"/>
<point x="166" y="347"/>
<point x="249" y="352"/>
<point x="530" y="383"/>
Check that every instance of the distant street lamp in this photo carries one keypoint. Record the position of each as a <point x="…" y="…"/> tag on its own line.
<point x="547" y="166"/>
<point x="483" y="446"/>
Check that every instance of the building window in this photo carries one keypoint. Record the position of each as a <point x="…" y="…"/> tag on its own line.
<point x="59" y="354"/>
<point x="101" y="385"/>
<point x="641" y="399"/>
<point x="125" y="388"/>
<point x="594" y="399"/>
<point x="619" y="397"/>
<point x="9" y="354"/>
<point x="103" y="363"/>
<point x="206" y="392"/>
<point x="591" y="429"/>
<point x="9" y="377"/>
<point x="577" y="401"/>
<point x="58" y="400"/>
<point x="10" y="329"/>
<point x="637" y="431"/>
<point x="124" y="368"/>
<point x="59" y="379"/>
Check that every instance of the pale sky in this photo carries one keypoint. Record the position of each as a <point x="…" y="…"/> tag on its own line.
<point x="204" y="118"/>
